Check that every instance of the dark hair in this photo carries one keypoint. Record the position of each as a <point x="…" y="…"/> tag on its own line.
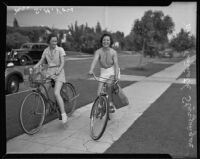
<point x="106" y="34"/>
<point x="50" y="36"/>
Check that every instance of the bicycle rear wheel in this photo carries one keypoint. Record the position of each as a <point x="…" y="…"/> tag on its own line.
<point x="32" y="113"/>
<point x="69" y="96"/>
<point x="99" y="117"/>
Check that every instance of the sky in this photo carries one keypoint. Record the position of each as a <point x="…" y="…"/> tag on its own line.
<point x="112" y="18"/>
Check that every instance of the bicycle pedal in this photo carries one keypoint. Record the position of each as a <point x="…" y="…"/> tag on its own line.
<point x="111" y="109"/>
<point x="59" y="117"/>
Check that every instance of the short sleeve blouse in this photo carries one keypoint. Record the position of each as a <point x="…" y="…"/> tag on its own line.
<point x="53" y="58"/>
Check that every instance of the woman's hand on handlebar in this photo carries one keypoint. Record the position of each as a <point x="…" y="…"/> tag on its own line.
<point x="57" y="72"/>
<point x="35" y="66"/>
<point x="90" y="73"/>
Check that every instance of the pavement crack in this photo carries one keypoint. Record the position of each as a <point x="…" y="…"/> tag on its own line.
<point x="85" y="144"/>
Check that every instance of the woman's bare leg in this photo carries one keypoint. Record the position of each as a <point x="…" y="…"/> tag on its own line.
<point x="58" y="86"/>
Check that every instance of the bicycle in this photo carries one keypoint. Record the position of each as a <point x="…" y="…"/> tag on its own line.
<point x="100" y="111"/>
<point x="37" y="104"/>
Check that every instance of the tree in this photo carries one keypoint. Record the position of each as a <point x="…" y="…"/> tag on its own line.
<point x="15" y="23"/>
<point x="183" y="41"/>
<point x="163" y="26"/>
<point x="153" y="27"/>
<point x="119" y="37"/>
<point x="98" y="28"/>
<point x="87" y="39"/>
<point x="76" y="32"/>
<point x="15" y="40"/>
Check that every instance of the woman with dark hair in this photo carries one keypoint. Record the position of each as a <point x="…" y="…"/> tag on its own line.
<point x="108" y="60"/>
<point x="54" y="56"/>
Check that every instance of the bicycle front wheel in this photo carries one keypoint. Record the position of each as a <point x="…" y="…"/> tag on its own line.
<point x="99" y="117"/>
<point x="69" y="96"/>
<point x="32" y="113"/>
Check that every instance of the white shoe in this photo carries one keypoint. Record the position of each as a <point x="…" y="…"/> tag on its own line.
<point x="64" y="118"/>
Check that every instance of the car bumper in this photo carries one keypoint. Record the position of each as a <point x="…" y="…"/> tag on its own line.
<point x="12" y="60"/>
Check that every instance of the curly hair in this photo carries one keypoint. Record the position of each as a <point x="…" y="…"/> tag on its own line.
<point x="50" y="36"/>
<point x="106" y="34"/>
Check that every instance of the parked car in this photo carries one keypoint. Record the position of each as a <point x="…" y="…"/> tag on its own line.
<point x="28" y="53"/>
<point x="151" y="51"/>
<point x="13" y="77"/>
<point x="167" y="53"/>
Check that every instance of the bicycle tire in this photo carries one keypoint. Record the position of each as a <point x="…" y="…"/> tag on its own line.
<point x="27" y="111"/>
<point x="69" y="94"/>
<point x="93" y="115"/>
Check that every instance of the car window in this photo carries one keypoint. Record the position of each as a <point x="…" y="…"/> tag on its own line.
<point x="35" y="47"/>
<point x="26" y="46"/>
<point x="42" y="47"/>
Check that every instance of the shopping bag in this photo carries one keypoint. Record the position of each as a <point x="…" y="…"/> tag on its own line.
<point x="118" y="96"/>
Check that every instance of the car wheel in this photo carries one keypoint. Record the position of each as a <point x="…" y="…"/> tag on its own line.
<point x="23" y="60"/>
<point x="13" y="84"/>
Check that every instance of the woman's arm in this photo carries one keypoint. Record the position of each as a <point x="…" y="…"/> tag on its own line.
<point x="94" y="62"/>
<point x="116" y="65"/>
<point x="62" y="63"/>
<point x="62" y="60"/>
<point x="40" y="62"/>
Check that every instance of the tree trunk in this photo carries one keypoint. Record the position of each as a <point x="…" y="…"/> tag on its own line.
<point x="141" y="56"/>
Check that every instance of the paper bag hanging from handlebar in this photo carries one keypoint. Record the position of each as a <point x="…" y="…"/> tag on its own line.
<point x="118" y="96"/>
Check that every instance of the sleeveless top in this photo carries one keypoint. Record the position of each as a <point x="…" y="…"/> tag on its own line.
<point x="106" y="58"/>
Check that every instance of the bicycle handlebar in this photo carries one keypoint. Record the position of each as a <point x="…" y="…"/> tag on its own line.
<point x="32" y="70"/>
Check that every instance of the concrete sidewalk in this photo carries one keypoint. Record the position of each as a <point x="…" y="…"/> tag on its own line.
<point x="75" y="136"/>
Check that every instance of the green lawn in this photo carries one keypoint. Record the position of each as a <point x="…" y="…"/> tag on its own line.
<point x="147" y="70"/>
<point x="175" y="59"/>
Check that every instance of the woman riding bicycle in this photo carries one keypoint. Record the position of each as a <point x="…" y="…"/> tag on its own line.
<point x="109" y="67"/>
<point x="54" y="56"/>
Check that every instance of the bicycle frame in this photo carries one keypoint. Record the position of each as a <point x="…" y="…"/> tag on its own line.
<point x="105" y="86"/>
<point x="45" y="94"/>
<point x="49" y="105"/>
<point x="52" y="104"/>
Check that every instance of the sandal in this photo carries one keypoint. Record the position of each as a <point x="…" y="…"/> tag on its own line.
<point x="111" y="109"/>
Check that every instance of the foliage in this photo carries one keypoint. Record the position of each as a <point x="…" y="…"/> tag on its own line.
<point x="15" y="23"/>
<point x="152" y="28"/>
<point x="33" y="33"/>
<point x="183" y="41"/>
<point x="15" y="40"/>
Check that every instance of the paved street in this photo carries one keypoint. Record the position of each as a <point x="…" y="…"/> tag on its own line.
<point x="75" y="138"/>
